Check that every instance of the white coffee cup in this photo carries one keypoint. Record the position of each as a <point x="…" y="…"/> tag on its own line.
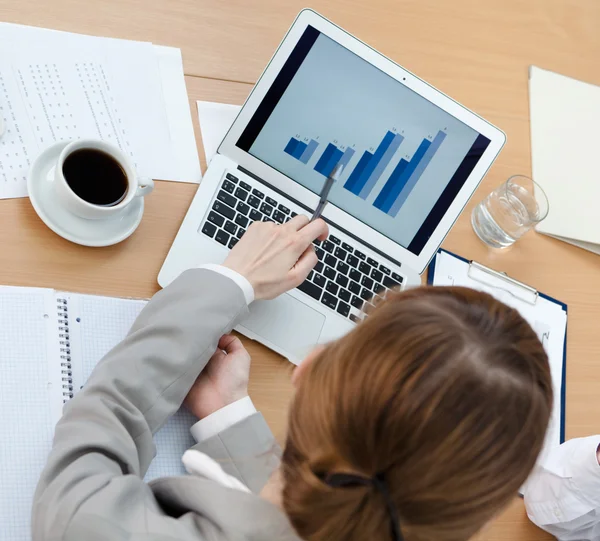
<point x="136" y="187"/>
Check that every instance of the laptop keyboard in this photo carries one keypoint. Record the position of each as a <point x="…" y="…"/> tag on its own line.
<point x="344" y="279"/>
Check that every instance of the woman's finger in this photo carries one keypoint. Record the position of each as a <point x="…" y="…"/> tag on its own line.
<point x="230" y="343"/>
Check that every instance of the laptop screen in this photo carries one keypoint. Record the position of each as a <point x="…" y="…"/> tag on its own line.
<point x="404" y="159"/>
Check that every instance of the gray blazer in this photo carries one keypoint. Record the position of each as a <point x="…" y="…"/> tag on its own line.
<point x="92" y="487"/>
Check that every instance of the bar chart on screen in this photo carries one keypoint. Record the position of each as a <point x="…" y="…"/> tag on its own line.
<point x="366" y="176"/>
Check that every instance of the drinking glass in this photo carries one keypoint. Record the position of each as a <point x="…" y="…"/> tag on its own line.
<point x="511" y="210"/>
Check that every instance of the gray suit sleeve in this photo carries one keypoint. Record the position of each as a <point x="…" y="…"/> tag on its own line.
<point x="103" y="443"/>
<point x="246" y="450"/>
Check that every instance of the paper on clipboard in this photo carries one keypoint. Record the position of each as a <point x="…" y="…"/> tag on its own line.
<point x="548" y="318"/>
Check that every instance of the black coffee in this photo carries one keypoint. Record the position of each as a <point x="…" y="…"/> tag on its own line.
<point x="95" y="177"/>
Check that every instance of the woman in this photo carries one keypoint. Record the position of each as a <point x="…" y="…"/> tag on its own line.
<point x="421" y="424"/>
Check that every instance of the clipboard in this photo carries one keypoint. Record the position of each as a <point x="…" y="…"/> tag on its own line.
<point x="524" y="293"/>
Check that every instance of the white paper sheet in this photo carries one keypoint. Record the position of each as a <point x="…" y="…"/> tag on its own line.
<point x="565" y="115"/>
<point x="215" y="120"/>
<point x="59" y="86"/>
<point x="547" y="318"/>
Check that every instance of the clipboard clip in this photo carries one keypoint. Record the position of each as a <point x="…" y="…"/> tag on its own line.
<point x="519" y="290"/>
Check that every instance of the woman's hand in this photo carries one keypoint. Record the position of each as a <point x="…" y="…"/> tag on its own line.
<point x="223" y="381"/>
<point x="276" y="258"/>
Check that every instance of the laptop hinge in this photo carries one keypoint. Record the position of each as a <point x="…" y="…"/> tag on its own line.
<point x="310" y="211"/>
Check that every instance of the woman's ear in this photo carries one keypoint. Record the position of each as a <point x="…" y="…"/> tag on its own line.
<point x="301" y="368"/>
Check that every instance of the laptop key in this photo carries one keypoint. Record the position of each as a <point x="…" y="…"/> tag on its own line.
<point x="343" y="309"/>
<point x="232" y="242"/>
<point x="329" y="272"/>
<point x="335" y="240"/>
<point x="354" y="318"/>
<point x="376" y="275"/>
<point x="384" y="269"/>
<point x="243" y="208"/>
<point x="388" y="282"/>
<point x="332" y="288"/>
<point x="328" y="246"/>
<point x="230" y="227"/>
<point x="241" y="194"/>
<point x="311" y="290"/>
<point x="320" y="280"/>
<point x="355" y="275"/>
<point x="340" y="253"/>
<point x="320" y="253"/>
<point x="209" y="229"/>
<point x="254" y="201"/>
<point x="345" y="295"/>
<point x="329" y="300"/>
<point x="365" y="294"/>
<point x="360" y="255"/>
<point x="397" y="277"/>
<point x="343" y="267"/>
<point x="364" y="268"/>
<point x="279" y="216"/>
<point x="229" y="187"/>
<point x="240" y="232"/>
<point x="224" y="210"/>
<point x="222" y="237"/>
<point x="229" y="176"/>
<point x="353" y="261"/>
<point x="266" y="209"/>
<point x="354" y="287"/>
<point x="245" y="185"/>
<point x="294" y="214"/>
<point x="215" y="218"/>
<point x="226" y="198"/>
<point x="310" y="275"/>
<point x="342" y="280"/>
<point x="258" y="193"/>
<point x="330" y="260"/>
<point x="367" y="282"/>
<point x="357" y="303"/>
<point x="283" y="209"/>
<point x="271" y="201"/>
<point x="241" y="220"/>
<point x="371" y="261"/>
<point x="319" y="266"/>
<point x="347" y="247"/>
<point x="255" y="215"/>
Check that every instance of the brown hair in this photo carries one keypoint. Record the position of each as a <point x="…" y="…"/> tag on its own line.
<point x="444" y="391"/>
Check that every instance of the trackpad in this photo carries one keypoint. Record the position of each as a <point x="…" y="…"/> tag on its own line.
<point x="287" y="323"/>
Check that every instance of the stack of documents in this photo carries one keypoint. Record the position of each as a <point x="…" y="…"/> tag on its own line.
<point x="57" y="86"/>
<point x="565" y="115"/>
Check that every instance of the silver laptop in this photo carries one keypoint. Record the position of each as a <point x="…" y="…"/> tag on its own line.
<point x="411" y="156"/>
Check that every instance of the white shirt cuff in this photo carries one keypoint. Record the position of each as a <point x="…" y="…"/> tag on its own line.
<point x="241" y="281"/>
<point x="222" y="419"/>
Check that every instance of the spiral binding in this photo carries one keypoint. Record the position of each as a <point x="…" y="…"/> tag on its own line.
<point x="66" y="367"/>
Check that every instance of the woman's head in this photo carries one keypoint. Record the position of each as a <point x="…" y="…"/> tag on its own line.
<point x="445" y="392"/>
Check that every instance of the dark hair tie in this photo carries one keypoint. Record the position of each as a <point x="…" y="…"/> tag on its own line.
<point x="348" y="480"/>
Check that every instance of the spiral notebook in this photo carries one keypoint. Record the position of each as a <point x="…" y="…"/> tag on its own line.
<point x="50" y="342"/>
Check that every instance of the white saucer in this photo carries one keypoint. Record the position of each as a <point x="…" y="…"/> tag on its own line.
<point x="106" y="232"/>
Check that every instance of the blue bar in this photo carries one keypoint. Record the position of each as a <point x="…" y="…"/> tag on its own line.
<point x="360" y="167"/>
<point x="389" y="185"/>
<point x="310" y="150"/>
<point x="299" y="150"/>
<point x="335" y="158"/>
<point x="383" y="163"/>
<point x="381" y="149"/>
<point x="416" y="175"/>
<point x="289" y="149"/>
<point x="403" y="178"/>
<point x="327" y="153"/>
<point x="346" y="157"/>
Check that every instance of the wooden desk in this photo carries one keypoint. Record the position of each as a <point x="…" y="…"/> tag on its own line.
<point x="478" y="52"/>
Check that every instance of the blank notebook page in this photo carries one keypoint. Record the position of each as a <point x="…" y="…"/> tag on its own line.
<point x="100" y="324"/>
<point x="28" y="328"/>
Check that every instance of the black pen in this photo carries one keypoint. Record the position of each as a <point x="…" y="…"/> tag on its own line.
<point x="333" y="176"/>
